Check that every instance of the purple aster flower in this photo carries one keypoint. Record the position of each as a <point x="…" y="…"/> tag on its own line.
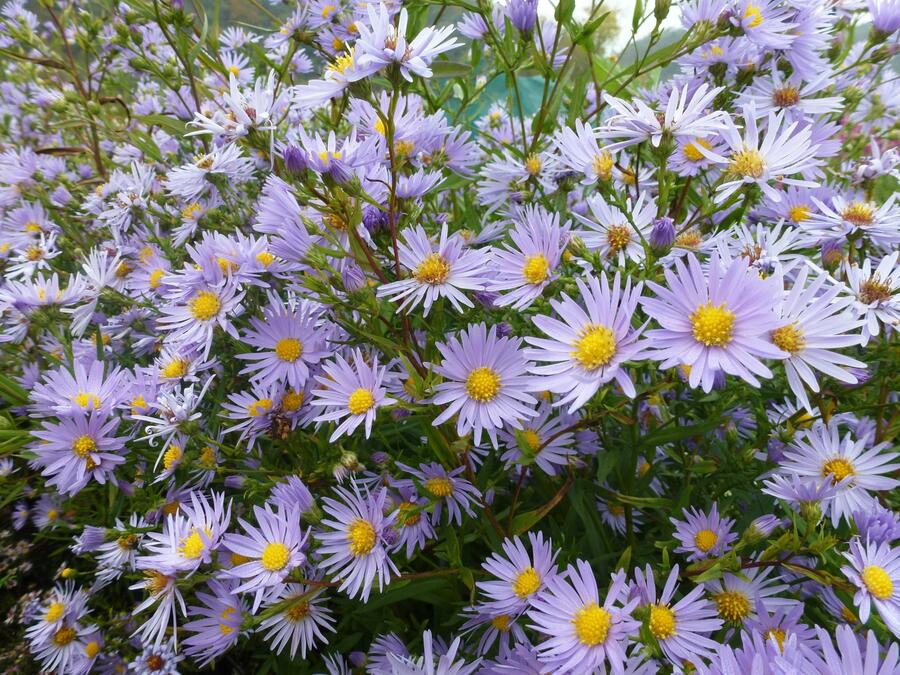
<point x="355" y="544"/>
<point x="875" y="571"/>
<point x="300" y="621"/>
<point x="765" y="22"/>
<point x="192" y="181"/>
<point x="885" y="16"/>
<point x="662" y="235"/>
<point x="781" y="625"/>
<point x="157" y="659"/>
<point x="852" y="654"/>
<point x="79" y="449"/>
<point x="273" y="548"/>
<point x="591" y="341"/>
<point x="253" y="411"/>
<point x="578" y="150"/>
<point x="680" y="628"/>
<point x="194" y="321"/>
<point x="436" y="272"/>
<point x="526" y="268"/>
<point x="521" y="577"/>
<point x="218" y="624"/>
<point x="712" y="320"/>
<point x="615" y="235"/>
<point x="438" y="659"/>
<point x="703" y="535"/>
<point x="544" y="441"/>
<point x="501" y="628"/>
<point x="414" y="527"/>
<point x="877" y="524"/>
<point x="353" y="392"/>
<point x="522" y="14"/>
<point x="485" y="382"/>
<point x="581" y="633"/>
<point x="876" y="292"/>
<point x="737" y="597"/>
<point x="446" y="488"/>
<point x="86" y="387"/>
<point x="292" y="494"/>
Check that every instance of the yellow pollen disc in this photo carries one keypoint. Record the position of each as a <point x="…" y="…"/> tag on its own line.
<point x="191" y="210"/>
<point x="689" y="239"/>
<point x="536" y="269"/>
<point x="786" y="96"/>
<point x="91" y="649"/>
<point x="754" y="15"/>
<point x="379" y="127"/>
<point x="155" y="582"/>
<point x="615" y="510"/>
<point x="859" y="213"/>
<point x="747" y="163"/>
<point x="34" y="253"/>
<point x="533" y="165"/>
<point x="712" y="326"/>
<point x="55" y="612"/>
<point x="171" y="457"/>
<point x="592" y="624"/>
<point x="662" y="622"/>
<point x="342" y="63"/>
<point x="138" y="404"/>
<point x="227" y="265"/>
<point x="789" y="338"/>
<point x="64" y="636"/>
<point x="838" y="468"/>
<point x="298" y="612"/>
<point x="225" y="629"/>
<point x="526" y="583"/>
<point x="483" y="385"/>
<point x="52" y="514"/>
<point x="275" y="556"/>
<point x="292" y="400"/>
<point x="204" y="306"/>
<point x="404" y="148"/>
<point x="779" y="636"/>
<point x="192" y="547"/>
<point x="337" y="44"/>
<point x="439" y="487"/>
<point x="260" y="407"/>
<point x="84" y="446"/>
<point x="408" y="514"/>
<point x="602" y="165"/>
<point x="156" y="277"/>
<point x="33" y="227"/>
<point x="799" y="213"/>
<point x="501" y="622"/>
<point x="595" y="347"/>
<point x="692" y="153"/>
<point x="618" y="237"/>
<point x="127" y="542"/>
<point x="327" y="11"/>
<point x="532" y="439"/>
<point x="874" y="290"/>
<point x="288" y="349"/>
<point x="732" y="605"/>
<point x="878" y="582"/>
<point x="234" y="70"/>
<point x="175" y="368"/>
<point x="361" y="537"/>
<point x="155" y="662"/>
<point x="644" y="468"/>
<point x="84" y="399"/>
<point x="265" y="258"/>
<point x="433" y="270"/>
<point x="204" y="162"/>
<point x="123" y="270"/>
<point x="208" y="458"/>
<point x="360" y="401"/>
<point x="68" y="572"/>
<point x="705" y="540"/>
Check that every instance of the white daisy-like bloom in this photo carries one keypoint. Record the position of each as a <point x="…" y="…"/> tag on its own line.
<point x="578" y="151"/>
<point x="244" y="110"/>
<point x="300" y="621"/>
<point x="813" y="323"/>
<point x="845" y="217"/>
<point x="685" y="115"/>
<point x="876" y="294"/>
<point x="875" y="571"/>
<point x="819" y="453"/>
<point x="796" y="98"/>
<point x="615" y="234"/>
<point x="191" y="181"/>
<point x="784" y="150"/>
<point x="118" y="556"/>
<point x="162" y="591"/>
<point x="766" y="248"/>
<point x="432" y="661"/>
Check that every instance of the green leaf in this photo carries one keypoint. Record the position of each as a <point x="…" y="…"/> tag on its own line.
<point x="171" y="125"/>
<point x="636" y="16"/>
<point x="624" y="562"/>
<point x="674" y="433"/>
<point x="445" y="69"/>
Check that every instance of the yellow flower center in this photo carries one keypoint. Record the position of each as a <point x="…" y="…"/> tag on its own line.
<point x="192" y="547"/>
<point x="859" y="213"/>
<point x="501" y="622"/>
<point x="404" y="148"/>
<point x="878" y="582"/>
<point x="408" y="514"/>
<point x="705" y="540"/>
<point x="171" y="457"/>
<point x="754" y="14"/>
<point x="747" y="163"/>
<point x="342" y="63"/>
<point x="175" y="368"/>
<point x="127" y="542"/>
<point x="55" y="612"/>
<point x="595" y="347"/>
<point x="602" y="165"/>
<point x="288" y="349"/>
<point x="786" y="96"/>
<point x="298" y="611"/>
<point x="156" y="277"/>
<point x="592" y="624"/>
<point x="662" y="622"/>
<point x="789" y="338"/>
<point x="691" y="149"/>
<point x="712" y="326"/>
<point x="138" y="404"/>
<point x="533" y="165"/>
<point x="360" y="401"/>
<point x="275" y="556"/>
<point x="208" y="458"/>
<point x="83" y="446"/>
<point x="52" y="514"/>
<point x="204" y="306"/>
<point x="689" y="239"/>
<point x="874" y="290"/>
<point x="260" y="407"/>
<point x="779" y="636"/>
<point x="536" y="269"/>
<point x="733" y="606"/>
<point x="63" y="636"/>
<point x="265" y="258"/>
<point x="526" y="583"/>
<point x="34" y="253"/>
<point x="292" y="400"/>
<point x="532" y="439"/>
<point x="799" y="213"/>
<point x="439" y="487"/>
<point x="433" y="270"/>
<point x="483" y="385"/>
<point x="84" y="399"/>
<point x="618" y="237"/>
<point x="361" y="537"/>
<point x="379" y="127"/>
<point x="91" y="649"/>
<point x="838" y="468"/>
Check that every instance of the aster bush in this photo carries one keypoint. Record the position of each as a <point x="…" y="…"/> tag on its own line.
<point x="442" y="338"/>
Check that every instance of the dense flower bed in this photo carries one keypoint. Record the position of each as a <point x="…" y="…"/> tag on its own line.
<point x="436" y="338"/>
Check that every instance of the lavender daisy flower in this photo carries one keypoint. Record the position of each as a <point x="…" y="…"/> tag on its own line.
<point x="719" y="323"/>
<point x="581" y="633"/>
<point x="876" y="293"/>
<point x="703" y="535"/>
<point x="218" y="624"/>
<point x="544" y="441"/>
<point x="157" y="659"/>
<point x="447" y="489"/>
<point x="614" y="234"/>
<point x="522" y="577"/>
<point x="765" y="22"/>
<point x="875" y="570"/>
<point x="86" y="387"/>
<point x="432" y="660"/>
<point x="162" y="591"/>
<point x="355" y="545"/>
<point x="527" y="268"/>
<point x="273" y="548"/>
<point x="194" y="322"/>
<point x="436" y="272"/>
<point x="589" y="345"/>
<point x="877" y="524"/>
<point x="191" y="181"/>
<point x="737" y="597"/>
<point x="840" y="218"/>
<point x="680" y="628"/>
<point x="852" y="654"/>
<point x="79" y="449"/>
<point x="485" y="382"/>
<point x="292" y="494"/>
<point x="300" y="621"/>
<point x="820" y="453"/>
<point x="578" y="151"/>
<point x="290" y="343"/>
<point x="414" y="527"/>
<point x="353" y="392"/>
<point x="781" y="626"/>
